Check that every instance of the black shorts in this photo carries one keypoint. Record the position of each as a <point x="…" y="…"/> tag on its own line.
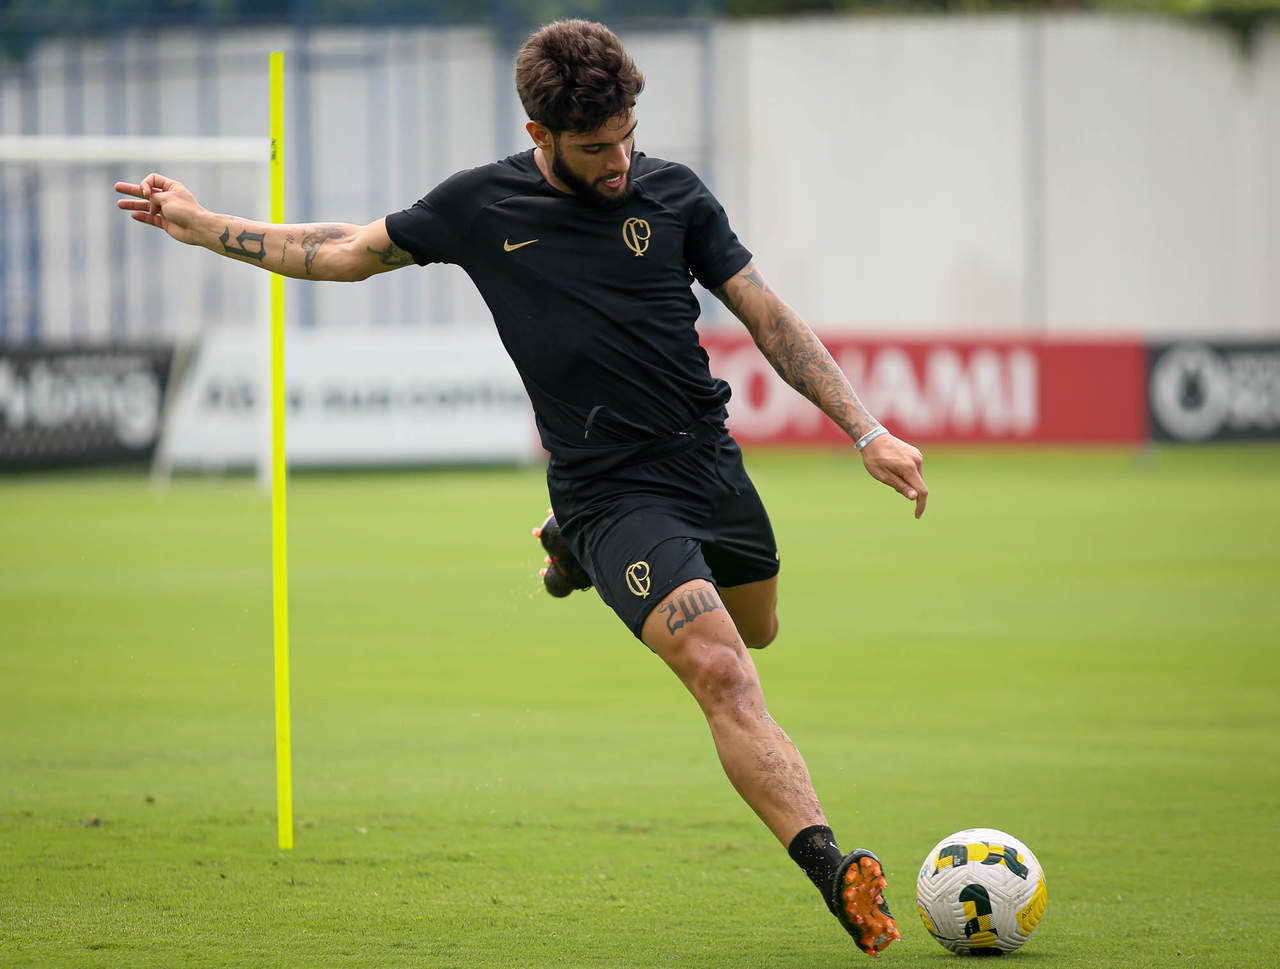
<point x="643" y="529"/>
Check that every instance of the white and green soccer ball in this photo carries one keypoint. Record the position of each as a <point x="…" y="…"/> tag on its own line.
<point x="981" y="892"/>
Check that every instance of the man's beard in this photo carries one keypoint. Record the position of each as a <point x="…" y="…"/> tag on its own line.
<point x="587" y="190"/>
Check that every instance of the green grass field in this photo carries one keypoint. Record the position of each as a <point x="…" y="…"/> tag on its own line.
<point x="1076" y="646"/>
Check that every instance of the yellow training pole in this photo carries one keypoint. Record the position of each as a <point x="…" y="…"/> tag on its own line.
<point x="279" y="531"/>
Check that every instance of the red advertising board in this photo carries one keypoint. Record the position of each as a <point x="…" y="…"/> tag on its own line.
<point x="969" y="390"/>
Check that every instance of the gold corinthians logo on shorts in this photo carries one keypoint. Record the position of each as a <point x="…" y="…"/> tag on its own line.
<point x="638" y="575"/>
<point x="635" y="233"/>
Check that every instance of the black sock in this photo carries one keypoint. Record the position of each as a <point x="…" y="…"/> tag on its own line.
<point x="814" y="849"/>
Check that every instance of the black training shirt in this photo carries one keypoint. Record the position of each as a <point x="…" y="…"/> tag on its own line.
<point x="594" y="305"/>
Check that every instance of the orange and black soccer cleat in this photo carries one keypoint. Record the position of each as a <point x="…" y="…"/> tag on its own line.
<point x="858" y="901"/>
<point x="563" y="574"/>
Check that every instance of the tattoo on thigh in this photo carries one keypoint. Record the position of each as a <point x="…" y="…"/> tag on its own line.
<point x="689" y="607"/>
<point x="240" y="249"/>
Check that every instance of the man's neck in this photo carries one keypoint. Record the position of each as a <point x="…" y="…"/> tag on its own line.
<point x="544" y="167"/>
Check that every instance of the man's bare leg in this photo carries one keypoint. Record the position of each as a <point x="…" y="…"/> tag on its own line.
<point x="695" y="635"/>
<point x="692" y="631"/>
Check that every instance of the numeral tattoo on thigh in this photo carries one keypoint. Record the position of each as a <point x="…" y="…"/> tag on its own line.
<point x="240" y="249"/>
<point x="689" y="607"/>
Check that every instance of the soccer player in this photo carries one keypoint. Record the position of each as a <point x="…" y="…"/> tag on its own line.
<point x="585" y="251"/>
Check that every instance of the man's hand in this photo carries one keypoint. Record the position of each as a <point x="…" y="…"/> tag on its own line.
<point x="898" y="465"/>
<point x="164" y="203"/>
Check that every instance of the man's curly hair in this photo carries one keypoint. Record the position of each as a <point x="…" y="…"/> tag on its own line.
<point x="574" y="75"/>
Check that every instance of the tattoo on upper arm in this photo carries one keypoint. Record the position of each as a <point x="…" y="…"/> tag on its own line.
<point x="752" y="275"/>
<point x="689" y="607"/>
<point x="241" y="249"/>
<point x="284" y="250"/>
<point x="393" y="255"/>
<point x="733" y="296"/>
<point x="314" y="239"/>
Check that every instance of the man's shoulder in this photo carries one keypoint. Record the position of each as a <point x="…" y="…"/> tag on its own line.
<point x="485" y="184"/>
<point x="669" y="183"/>
<point x="662" y="171"/>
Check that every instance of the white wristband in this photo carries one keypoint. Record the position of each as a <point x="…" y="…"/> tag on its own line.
<point x="870" y="436"/>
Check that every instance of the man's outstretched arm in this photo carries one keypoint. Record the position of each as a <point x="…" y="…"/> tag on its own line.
<point x="322" y="250"/>
<point x="799" y="357"/>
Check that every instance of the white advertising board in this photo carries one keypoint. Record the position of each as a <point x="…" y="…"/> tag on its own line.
<point x="442" y="395"/>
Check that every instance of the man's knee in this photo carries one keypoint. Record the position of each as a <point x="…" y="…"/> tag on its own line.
<point x="720" y="673"/>
<point x="722" y="679"/>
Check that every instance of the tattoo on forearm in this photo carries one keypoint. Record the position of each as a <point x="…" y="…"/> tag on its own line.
<point x="689" y="607"/>
<point x="284" y="250"/>
<point x="799" y="357"/>
<point x="240" y="249"/>
<point x="313" y="240"/>
<point x="393" y="255"/>
<point x="794" y="350"/>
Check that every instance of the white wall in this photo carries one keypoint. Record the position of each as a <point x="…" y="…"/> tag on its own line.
<point x="1264" y="262"/>
<point x="1154" y="180"/>
<point x="1052" y="174"/>
<point x="876" y="167"/>
<point x="1063" y="173"/>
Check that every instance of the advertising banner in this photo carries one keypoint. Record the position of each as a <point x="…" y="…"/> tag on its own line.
<point x="997" y="390"/>
<point x="434" y="395"/>
<point x="450" y="395"/>
<point x="1215" y="392"/>
<point x="80" y="406"/>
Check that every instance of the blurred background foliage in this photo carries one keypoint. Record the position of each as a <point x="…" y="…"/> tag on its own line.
<point x="24" y="22"/>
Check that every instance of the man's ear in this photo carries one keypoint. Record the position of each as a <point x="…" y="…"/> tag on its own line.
<point x="540" y="134"/>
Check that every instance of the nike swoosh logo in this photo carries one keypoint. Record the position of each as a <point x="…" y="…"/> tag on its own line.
<point x="508" y="247"/>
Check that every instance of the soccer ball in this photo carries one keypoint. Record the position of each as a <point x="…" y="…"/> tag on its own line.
<point x="981" y="892"/>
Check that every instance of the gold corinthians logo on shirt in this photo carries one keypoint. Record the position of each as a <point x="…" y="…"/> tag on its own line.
<point x="638" y="574"/>
<point x="635" y="233"/>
